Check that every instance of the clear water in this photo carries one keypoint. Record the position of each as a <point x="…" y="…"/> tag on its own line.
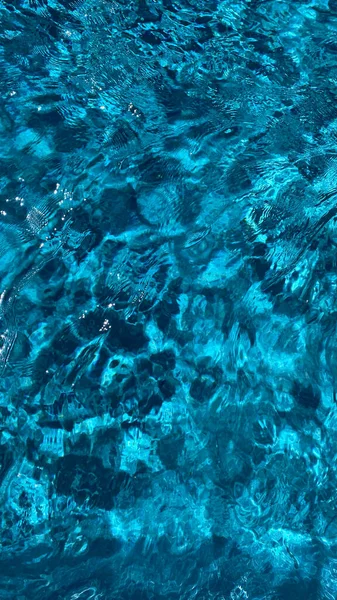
<point x="168" y="280"/>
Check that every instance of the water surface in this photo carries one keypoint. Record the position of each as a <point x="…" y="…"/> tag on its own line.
<point x="168" y="300"/>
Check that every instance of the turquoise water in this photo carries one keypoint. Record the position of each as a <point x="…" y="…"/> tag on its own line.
<point x="168" y="286"/>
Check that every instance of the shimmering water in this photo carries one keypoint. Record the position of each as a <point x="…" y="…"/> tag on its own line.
<point x="168" y="281"/>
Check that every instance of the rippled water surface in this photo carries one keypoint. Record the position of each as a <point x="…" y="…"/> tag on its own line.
<point x="168" y="300"/>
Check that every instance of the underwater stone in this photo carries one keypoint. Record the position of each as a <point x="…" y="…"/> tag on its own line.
<point x="306" y="396"/>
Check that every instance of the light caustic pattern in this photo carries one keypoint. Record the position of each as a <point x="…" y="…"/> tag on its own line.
<point x="168" y="293"/>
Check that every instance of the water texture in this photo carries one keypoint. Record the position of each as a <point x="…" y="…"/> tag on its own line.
<point x="168" y="288"/>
